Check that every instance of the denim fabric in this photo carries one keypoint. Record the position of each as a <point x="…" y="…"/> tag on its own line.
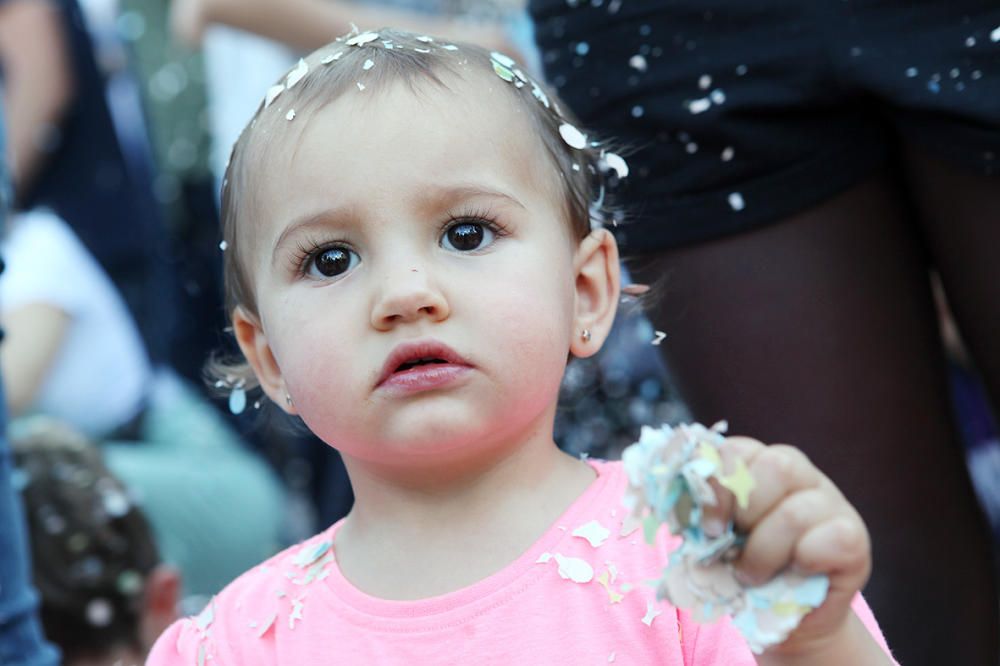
<point x="21" y="641"/>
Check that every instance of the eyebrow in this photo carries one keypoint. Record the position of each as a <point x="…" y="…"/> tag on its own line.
<point x="434" y="199"/>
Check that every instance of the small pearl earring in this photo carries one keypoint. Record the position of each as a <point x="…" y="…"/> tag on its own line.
<point x="585" y="335"/>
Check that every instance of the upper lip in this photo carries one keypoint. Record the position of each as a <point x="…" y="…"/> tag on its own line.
<point x="415" y="350"/>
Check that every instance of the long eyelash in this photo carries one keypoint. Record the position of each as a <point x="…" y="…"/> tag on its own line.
<point x="307" y="249"/>
<point x="484" y="216"/>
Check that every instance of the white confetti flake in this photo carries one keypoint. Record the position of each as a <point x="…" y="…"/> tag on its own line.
<point x="911" y="72"/>
<point x="272" y="93"/>
<point x="426" y="39"/>
<point x="296" y="74"/>
<point x="223" y="245"/>
<point x="741" y="70"/>
<point x="699" y="105"/>
<point x="691" y="148"/>
<point x="717" y="96"/>
<point x="660" y="335"/>
<point x="651" y="614"/>
<point x="360" y="85"/>
<point x="638" y="111"/>
<point x="582" y="49"/>
<point x="573" y="137"/>
<point x="638" y="62"/>
<point x="736" y="201"/>
<point x="362" y="39"/>
<point x="449" y="47"/>
<point x="331" y="57"/>
<point x="421" y="50"/>
<point x="543" y="558"/>
<point x="970" y="41"/>
<point x="368" y="64"/>
<point x="268" y="623"/>
<point x="727" y="154"/>
<point x="290" y="115"/>
<point x="705" y="82"/>
<point x="296" y="613"/>
<point x="540" y="95"/>
<point x="504" y="60"/>
<point x="574" y="569"/>
<point x="615" y="161"/>
<point x="611" y="658"/>
<point x="995" y="35"/>
<point x="595" y="533"/>
<point x="976" y="74"/>
<point x="99" y="612"/>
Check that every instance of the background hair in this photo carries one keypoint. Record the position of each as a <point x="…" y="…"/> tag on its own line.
<point x="91" y="546"/>
<point x="417" y="61"/>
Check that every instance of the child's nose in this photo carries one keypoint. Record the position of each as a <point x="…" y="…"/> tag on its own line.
<point x="408" y="294"/>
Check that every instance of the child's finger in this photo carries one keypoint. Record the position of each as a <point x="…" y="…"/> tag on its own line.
<point x="839" y="546"/>
<point x="777" y="471"/>
<point x="773" y="542"/>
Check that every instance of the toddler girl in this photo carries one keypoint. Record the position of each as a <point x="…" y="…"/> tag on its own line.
<point x="411" y="254"/>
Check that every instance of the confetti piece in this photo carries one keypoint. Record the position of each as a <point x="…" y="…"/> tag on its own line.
<point x="638" y="111"/>
<point x="503" y="72"/>
<point x="331" y="57"/>
<point x="573" y="137"/>
<point x="297" y="74"/>
<point x="206" y="617"/>
<point x="595" y="533"/>
<point x="307" y="556"/>
<point x="736" y="201"/>
<point x="740" y="483"/>
<point x="368" y="64"/>
<point x="223" y="246"/>
<point x="543" y="558"/>
<point x="668" y="470"/>
<point x="717" y="96"/>
<point x="362" y="39"/>
<point x="201" y="654"/>
<point x="267" y="624"/>
<point x="911" y="72"/>
<point x="288" y="116"/>
<point x="613" y="596"/>
<point x="611" y="657"/>
<point x="426" y="39"/>
<point x="296" y="613"/>
<point x="995" y="35"/>
<point x="99" y="612"/>
<point x="638" y="62"/>
<point x="540" y="95"/>
<point x="616" y="162"/>
<point x="237" y="400"/>
<point x="727" y="154"/>
<point x="272" y="93"/>
<point x="360" y="85"/>
<point x="574" y="569"/>
<point x="652" y="612"/>
<point x="660" y="335"/>
<point x="504" y="60"/>
<point x="699" y="105"/>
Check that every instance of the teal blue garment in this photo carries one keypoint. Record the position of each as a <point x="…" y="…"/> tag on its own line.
<point x="215" y="507"/>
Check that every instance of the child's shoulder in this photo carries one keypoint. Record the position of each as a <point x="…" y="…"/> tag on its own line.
<point x="271" y="592"/>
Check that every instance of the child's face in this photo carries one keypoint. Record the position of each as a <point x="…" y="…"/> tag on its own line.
<point x="374" y="181"/>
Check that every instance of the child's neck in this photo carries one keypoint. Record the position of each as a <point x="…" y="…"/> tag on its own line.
<point x="454" y="530"/>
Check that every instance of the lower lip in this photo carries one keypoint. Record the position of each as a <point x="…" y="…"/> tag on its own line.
<point x="424" y="378"/>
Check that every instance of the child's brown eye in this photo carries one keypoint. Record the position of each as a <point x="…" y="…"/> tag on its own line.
<point x="467" y="236"/>
<point x="332" y="262"/>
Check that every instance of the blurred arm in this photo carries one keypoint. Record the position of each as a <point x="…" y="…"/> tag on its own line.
<point x="34" y="334"/>
<point x="38" y="83"/>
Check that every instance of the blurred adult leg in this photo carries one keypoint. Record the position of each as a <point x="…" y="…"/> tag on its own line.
<point x="820" y="331"/>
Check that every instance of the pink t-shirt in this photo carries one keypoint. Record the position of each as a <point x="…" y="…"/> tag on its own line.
<point x="568" y="600"/>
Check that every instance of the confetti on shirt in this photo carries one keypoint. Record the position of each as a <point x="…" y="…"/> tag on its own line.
<point x="669" y="470"/>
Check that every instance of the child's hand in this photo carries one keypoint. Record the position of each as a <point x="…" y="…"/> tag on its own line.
<point x="796" y="519"/>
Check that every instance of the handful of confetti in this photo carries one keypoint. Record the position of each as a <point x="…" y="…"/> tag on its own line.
<point x="669" y="470"/>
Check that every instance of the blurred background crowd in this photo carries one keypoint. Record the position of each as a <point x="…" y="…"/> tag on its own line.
<point x="135" y="476"/>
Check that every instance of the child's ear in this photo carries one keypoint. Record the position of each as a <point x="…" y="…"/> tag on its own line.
<point x="598" y="282"/>
<point x="253" y="343"/>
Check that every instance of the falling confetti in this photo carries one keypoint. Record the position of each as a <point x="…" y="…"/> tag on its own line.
<point x="700" y="105"/>
<point x="727" y="153"/>
<point x="736" y="201"/>
<point x="99" y="612"/>
<point x="638" y="111"/>
<point x="237" y="400"/>
<point x="705" y="82"/>
<point x="573" y="137"/>
<point x="615" y="162"/>
<point x="223" y="245"/>
<point x="659" y="338"/>
<point x="638" y="62"/>
<point x="717" y="96"/>
<point x="995" y="35"/>
<point x="911" y="72"/>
